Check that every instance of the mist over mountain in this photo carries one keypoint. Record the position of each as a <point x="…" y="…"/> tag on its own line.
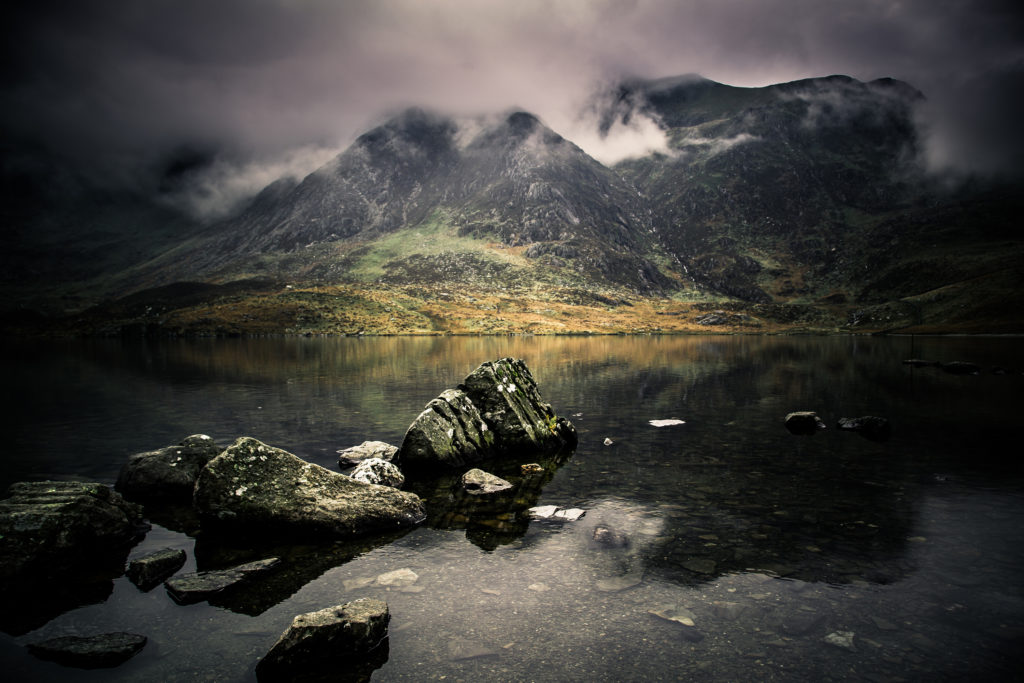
<point x="811" y="195"/>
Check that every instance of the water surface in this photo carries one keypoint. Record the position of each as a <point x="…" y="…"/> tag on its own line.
<point x="825" y="557"/>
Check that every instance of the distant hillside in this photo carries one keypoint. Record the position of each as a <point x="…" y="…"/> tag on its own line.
<point x="793" y="206"/>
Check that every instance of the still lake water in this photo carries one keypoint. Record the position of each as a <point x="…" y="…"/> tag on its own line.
<point x="796" y="558"/>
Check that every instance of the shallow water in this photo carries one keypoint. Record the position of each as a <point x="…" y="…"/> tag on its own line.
<point x="775" y="547"/>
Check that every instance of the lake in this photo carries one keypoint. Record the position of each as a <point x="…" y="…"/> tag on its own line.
<point x="738" y="551"/>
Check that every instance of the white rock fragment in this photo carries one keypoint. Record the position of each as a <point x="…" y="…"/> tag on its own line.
<point x="843" y="639"/>
<point x="666" y="423"/>
<point x="571" y="515"/>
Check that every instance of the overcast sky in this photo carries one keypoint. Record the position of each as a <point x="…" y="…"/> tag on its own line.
<point x="264" y="86"/>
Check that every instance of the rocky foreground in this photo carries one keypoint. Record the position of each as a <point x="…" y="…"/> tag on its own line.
<point x="69" y="534"/>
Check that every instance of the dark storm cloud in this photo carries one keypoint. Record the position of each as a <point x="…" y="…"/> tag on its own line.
<point x="119" y="89"/>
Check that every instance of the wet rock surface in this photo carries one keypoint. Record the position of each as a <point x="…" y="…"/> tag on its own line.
<point x="56" y="529"/>
<point x="380" y="472"/>
<point x="89" y="652"/>
<point x="198" y="586"/>
<point x="350" y="457"/>
<point x="150" y="570"/>
<point x="476" y="482"/>
<point x="166" y="474"/>
<point x="328" y="641"/>
<point x="253" y="486"/>
<point x="497" y="410"/>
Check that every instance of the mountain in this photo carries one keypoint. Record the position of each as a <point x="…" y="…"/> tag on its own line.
<point x="797" y="205"/>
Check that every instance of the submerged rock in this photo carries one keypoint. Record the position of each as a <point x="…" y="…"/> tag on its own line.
<point x="497" y="410"/>
<point x="335" y="638"/>
<point x="150" y="570"/>
<point x="350" y="457"/>
<point x="380" y="472"/>
<point x="479" y="483"/>
<point x="960" y="367"/>
<point x="606" y="537"/>
<point x="166" y="474"/>
<point x="804" y="422"/>
<point x="56" y="529"/>
<point x="869" y="426"/>
<point x="196" y="586"/>
<point x="252" y="486"/>
<point x="89" y="652"/>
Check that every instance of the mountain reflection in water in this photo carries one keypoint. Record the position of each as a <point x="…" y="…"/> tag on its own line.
<point x="724" y="548"/>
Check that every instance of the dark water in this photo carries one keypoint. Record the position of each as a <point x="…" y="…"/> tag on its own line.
<point x="775" y="547"/>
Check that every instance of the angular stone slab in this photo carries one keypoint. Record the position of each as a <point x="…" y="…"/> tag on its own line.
<point x="197" y="586"/>
<point x="167" y="474"/>
<point x="150" y="570"/>
<point x="89" y="652"/>
<point x="261" y="489"/>
<point x="331" y="637"/>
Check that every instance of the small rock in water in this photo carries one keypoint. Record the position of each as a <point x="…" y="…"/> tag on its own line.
<point x="608" y="442"/>
<point x="462" y="649"/>
<point x="479" y="483"/>
<point x="193" y="587"/>
<point x="868" y="426"/>
<point x="684" y="618"/>
<point x="380" y="472"/>
<point x="666" y="423"/>
<point x="90" y="652"/>
<point x="398" y="578"/>
<point x="355" y="584"/>
<point x="843" y="639"/>
<point x="619" y="583"/>
<point x="531" y="468"/>
<point x="570" y="515"/>
<point x="960" y="367"/>
<point x="700" y="565"/>
<point x="606" y="537"/>
<point x="150" y="570"/>
<point x="543" y="511"/>
<point x="539" y="587"/>
<point x="804" y="422"/>
<point x="347" y="457"/>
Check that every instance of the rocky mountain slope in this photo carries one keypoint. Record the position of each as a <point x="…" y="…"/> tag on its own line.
<point x="799" y="205"/>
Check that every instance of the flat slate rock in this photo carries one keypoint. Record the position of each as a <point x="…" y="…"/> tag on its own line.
<point x="89" y="652"/>
<point x="197" y="586"/>
<point x="151" y="570"/>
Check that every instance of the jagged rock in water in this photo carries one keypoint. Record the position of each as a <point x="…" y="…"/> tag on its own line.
<point x="255" y="487"/>
<point x="868" y="426"/>
<point x="334" y="638"/>
<point x="57" y="529"/>
<point x="195" y="586"/>
<point x="804" y="422"/>
<point x="351" y="457"/>
<point x="150" y="570"/>
<point x="166" y="474"/>
<point x="380" y="472"/>
<point x="89" y="652"/>
<point x="497" y="410"/>
<point x="450" y="431"/>
<point x="476" y="482"/>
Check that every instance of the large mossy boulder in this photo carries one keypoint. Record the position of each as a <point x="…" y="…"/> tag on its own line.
<point x="258" y="489"/>
<point x="167" y="474"/>
<point x="496" y="411"/>
<point x="60" y="529"/>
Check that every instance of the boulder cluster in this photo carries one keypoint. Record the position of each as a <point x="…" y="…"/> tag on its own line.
<point x="62" y="531"/>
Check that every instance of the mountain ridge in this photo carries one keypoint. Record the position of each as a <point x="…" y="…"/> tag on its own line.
<point x="805" y="195"/>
